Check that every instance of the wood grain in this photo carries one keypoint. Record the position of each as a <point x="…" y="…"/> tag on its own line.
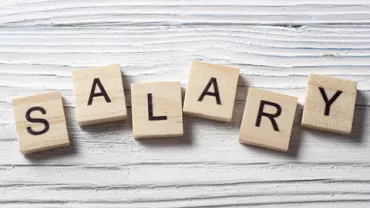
<point x="276" y="44"/>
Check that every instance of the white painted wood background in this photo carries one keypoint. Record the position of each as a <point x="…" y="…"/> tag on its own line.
<point x="275" y="43"/>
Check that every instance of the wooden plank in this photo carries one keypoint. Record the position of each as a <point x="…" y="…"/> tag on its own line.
<point x="244" y="184"/>
<point x="275" y="43"/>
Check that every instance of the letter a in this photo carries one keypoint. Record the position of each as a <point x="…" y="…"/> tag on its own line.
<point x="101" y="93"/>
<point x="216" y="93"/>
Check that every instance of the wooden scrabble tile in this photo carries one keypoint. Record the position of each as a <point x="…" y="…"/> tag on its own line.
<point x="99" y="95"/>
<point x="156" y="109"/>
<point x="40" y="122"/>
<point x="268" y="119"/>
<point x="330" y="104"/>
<point x="211" y="91"/>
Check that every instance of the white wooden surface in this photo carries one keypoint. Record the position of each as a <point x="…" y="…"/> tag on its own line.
<point x="275" y="43"/>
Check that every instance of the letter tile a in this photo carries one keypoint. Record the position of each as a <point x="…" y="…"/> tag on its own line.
<point x="99" y="95"/>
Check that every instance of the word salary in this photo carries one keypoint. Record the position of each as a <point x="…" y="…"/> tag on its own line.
<point x="157" y="108"/>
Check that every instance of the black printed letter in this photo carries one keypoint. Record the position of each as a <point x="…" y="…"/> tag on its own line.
<point x="37" y="120"/>
<point x="205" y="92"/>
<point x="270" y="116"/>
<point x="101" y="93"/>
<point x="327" y="101"/>
<point x="150" y="110"/>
